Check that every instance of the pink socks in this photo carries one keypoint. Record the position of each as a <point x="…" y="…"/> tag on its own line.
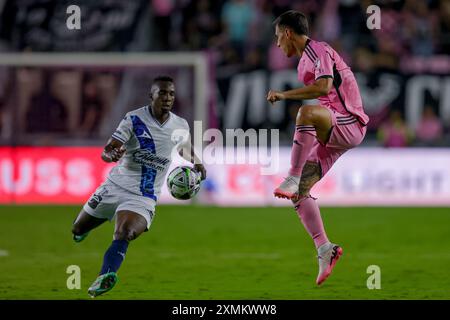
<point x="306" y="207"/>
<point x="303" y="141"/>
<point x="309" y="213"/>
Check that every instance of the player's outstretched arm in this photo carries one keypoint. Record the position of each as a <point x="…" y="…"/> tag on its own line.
<point x="318" y="89"/>
<point x="113" y="150"/>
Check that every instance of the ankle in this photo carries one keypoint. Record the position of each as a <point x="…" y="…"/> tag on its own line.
<point x="324" y="247"/>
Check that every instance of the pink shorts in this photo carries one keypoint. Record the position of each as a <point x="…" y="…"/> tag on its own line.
<point x="347" y="132"/>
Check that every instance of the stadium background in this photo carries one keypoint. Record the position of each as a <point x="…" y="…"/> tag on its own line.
<point x="63" y="92"/>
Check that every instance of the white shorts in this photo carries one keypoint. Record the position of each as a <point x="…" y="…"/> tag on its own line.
<point x="110" y="198"/>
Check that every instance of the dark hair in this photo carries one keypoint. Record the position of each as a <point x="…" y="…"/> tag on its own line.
<point x="295" y="20"/>
<point x="162" y="79"/>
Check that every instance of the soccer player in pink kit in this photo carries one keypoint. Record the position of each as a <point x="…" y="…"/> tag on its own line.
<point x="323" y="132"/>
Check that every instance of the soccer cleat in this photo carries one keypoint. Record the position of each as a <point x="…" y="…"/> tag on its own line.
<point x="79" y="238"/>
<point x="327" y="261"/>
<point x="102" y="284"/>
<point x="288" y="188"/>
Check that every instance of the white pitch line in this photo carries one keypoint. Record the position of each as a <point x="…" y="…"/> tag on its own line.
<point x="4" y="253"/>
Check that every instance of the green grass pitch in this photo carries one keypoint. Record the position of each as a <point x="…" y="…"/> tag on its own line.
<point x="194" y="252"/>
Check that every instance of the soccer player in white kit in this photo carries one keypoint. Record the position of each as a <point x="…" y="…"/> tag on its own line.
<point x="143" y="142"/>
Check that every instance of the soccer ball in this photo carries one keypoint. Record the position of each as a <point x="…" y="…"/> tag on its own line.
<point x="183" y="182"/>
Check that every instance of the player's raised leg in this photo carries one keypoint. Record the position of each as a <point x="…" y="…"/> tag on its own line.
<point x="309" y="213"/>
<point x="129" y="225"/>
<point x="83" y="224"/>
<point x="313" y="122"/>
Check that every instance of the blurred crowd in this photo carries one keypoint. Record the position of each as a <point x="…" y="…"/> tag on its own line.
<point x="242" y="34"/>
<point x="240" y="31"/>
<point x="239" y="35"/>
<point x="67" y="102"/>
<point x="394" y="132"/>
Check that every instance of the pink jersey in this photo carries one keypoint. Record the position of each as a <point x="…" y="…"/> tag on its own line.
<point x="319" y="60"/>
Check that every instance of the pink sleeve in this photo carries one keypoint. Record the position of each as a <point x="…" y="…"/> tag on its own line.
<point x="323" y="66"/>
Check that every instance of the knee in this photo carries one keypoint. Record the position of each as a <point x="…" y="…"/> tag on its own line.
<point x="305" y="115"/>
<point x="125" y="233"/>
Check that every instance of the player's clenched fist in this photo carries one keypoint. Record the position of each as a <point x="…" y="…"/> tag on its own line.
<point x="116" y="153"/>
<point x="113" y="154"/>
<point x="274" y="96"/>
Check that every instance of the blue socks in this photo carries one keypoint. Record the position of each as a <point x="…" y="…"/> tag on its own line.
<point x="114" y="256"/>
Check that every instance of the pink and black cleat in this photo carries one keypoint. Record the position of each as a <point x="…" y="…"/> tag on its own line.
<point x="327" y="261"/>
<point x="288" y="189"/>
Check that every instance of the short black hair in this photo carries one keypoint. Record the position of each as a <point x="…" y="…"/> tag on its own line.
<point x="162" y="79"/>
<point x="295" y="20"/>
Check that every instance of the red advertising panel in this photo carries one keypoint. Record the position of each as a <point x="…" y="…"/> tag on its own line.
<point x="69" y="175"/>
<point x="65" y="175"/>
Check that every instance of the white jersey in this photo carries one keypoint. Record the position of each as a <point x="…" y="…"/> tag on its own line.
<point x="149" y="145"/>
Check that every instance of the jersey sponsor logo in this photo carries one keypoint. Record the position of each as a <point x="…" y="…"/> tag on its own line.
<point x="147" y="158"/>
